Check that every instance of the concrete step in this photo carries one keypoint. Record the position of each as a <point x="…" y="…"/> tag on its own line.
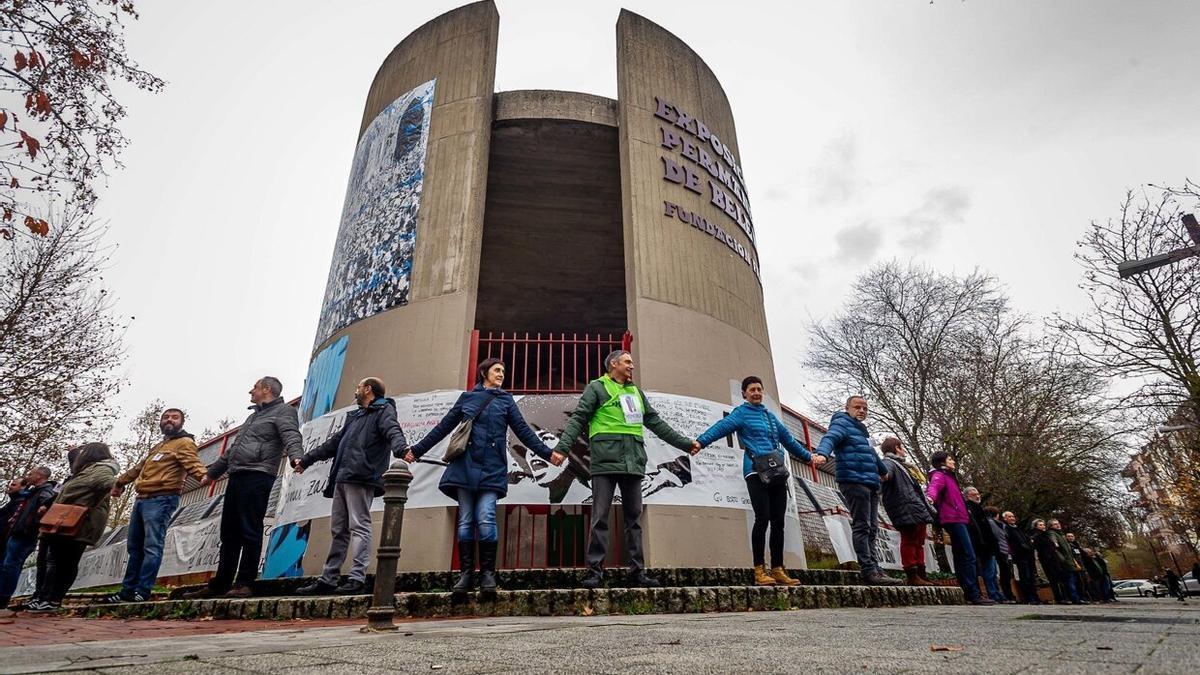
<point x="547" y="602"/>
<point x="564" y="578"/>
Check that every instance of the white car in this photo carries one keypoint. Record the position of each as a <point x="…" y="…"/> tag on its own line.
<point x="1191" y="585"/>
<point x="1139" y="587"/>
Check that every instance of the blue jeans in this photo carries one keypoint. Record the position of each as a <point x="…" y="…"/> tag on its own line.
<point x="147" y="530"/>
<point x="1072" y="589"/>
<point x="988" y="570"/>
<point x="477" y="510"/>
<point x="15" y="553"/>
<point x="964" y="559"/>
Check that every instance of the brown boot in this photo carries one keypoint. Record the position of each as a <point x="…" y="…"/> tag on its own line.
<point x="916" y="577"/>
<point x="761" y="578"/>
<point x="781" y="578"/>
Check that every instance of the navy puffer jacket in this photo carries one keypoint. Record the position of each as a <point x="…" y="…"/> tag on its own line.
<point x="848" y="442"/>
<point x="484" y="466"/>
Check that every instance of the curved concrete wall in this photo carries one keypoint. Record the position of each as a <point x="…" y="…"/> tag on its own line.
<point x="695" y="299"/>
<point x="423" y="345"/>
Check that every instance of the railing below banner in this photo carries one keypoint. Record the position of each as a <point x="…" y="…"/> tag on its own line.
<point x="551" y="363"/>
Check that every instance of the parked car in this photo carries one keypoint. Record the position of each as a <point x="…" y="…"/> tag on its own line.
<point x="1191" y="585"/>
<point x="1139" y="587"/>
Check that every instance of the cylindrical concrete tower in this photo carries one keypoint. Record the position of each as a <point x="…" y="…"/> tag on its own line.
<point x="547" y="228"/>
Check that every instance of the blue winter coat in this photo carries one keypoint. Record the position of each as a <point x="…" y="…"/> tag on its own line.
<point x="759" y="430"/>
<point x="848" y="442"/>
<point x="484" y="466"/>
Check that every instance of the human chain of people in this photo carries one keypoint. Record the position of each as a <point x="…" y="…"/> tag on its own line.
<point x="995" y="560"/>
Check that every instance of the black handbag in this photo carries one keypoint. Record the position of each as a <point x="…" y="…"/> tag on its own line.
<point x="771" y="468"/>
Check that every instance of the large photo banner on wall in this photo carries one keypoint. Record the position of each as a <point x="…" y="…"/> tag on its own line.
<point x="712" y="478"/>
<point x="372" y="260"/>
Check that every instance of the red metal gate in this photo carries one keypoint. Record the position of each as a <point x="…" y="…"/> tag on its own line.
<point x="551" y="363"/>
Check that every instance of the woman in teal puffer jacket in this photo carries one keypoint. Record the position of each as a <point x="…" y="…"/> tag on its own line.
<point x="761" y="434"/>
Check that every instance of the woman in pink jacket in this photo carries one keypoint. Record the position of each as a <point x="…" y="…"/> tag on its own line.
<point x="947" y="499"/>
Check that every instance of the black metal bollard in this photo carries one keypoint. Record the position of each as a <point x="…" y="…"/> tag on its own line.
<point x="383" y="602"/>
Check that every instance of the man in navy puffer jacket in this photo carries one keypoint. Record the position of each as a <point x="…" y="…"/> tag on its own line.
<point x="859" y="470"/>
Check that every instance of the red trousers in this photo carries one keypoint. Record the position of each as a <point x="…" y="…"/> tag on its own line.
<point x="912" y="546"/>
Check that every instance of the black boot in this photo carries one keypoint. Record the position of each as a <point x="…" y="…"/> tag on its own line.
<point x="487" y="566"/>
<point x="466" y="563"/>
<point x="594" y="577"/>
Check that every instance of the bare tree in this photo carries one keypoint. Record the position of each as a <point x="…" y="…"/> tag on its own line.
<point x="1147" y="326"/>
<point x="60" y="345"/>
<point x="59" y="58"/>
<point x="1146" y="329"/>
<point x="891" y="341"/>
<point x="948" y="366"/>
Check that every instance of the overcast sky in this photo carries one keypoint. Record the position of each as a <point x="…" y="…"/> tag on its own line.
<point x="957" y="134"/>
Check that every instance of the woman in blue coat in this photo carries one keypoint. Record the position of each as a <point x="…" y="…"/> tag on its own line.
<point x="762" y="434"/>
<point x="478" y="478"/>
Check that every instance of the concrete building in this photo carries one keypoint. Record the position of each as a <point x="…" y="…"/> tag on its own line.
<point x="552" y="227"/>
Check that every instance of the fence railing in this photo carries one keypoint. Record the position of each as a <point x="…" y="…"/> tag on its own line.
<point x="550" y="363"/>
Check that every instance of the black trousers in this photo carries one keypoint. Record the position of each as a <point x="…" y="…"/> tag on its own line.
<point x="1027" y="578"/>
<point x="242" y="515"/>
<point x="770" y="503"/>
<point x="603" y="488"/>
<point x="1006" y="576"/>
<point x="43" y="561"/>
<point x="62" y="566"/>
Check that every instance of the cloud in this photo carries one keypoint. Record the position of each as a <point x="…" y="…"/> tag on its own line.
<point x="858" y="243"/>
<point x="836" y="178"/>
<point x="923" y="226"/>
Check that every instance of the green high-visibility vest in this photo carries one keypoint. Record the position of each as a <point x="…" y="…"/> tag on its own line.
<point x="610" y="417"/>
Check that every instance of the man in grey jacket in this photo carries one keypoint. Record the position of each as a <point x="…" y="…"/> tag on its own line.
<point x="272" y="430"/>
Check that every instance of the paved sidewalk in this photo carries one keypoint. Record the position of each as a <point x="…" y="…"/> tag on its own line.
<point x="1135" y="636"/>
<point x="24" y="630"/>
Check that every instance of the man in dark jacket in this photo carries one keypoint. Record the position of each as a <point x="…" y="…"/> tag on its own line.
<point x="1066" y="561"/>
<point x="984" y="541"/>
<point x="1174" y="585"/>
<point x="271" y="431"/>
<point x="614" y="412"/>
<point x="24" y="511"/>
<point x="1020" y="547"/>
<point x="1083" y="577"/>
<point x="858" y="470"/>
<point x="360" y="453"/>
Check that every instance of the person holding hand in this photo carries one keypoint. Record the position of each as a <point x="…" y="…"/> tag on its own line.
<point x="615" y="413"/>
<point x="478" y="478"/>
<point x="761" y="435"/>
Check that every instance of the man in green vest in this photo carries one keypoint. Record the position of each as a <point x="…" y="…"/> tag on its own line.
<point x="615" y="413"/>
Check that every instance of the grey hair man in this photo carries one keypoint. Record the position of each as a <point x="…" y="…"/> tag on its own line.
<point x="253" y="462"/>
<point x="615" y="414"/>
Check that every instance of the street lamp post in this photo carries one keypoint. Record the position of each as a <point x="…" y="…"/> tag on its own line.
<point x="1132" y="267"/>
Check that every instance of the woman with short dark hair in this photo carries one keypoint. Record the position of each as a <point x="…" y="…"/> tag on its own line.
<point x="478" y="478"/>
<point x="947" y="499"/>
<point x="93" y="474"/>
<point x="761" y="434"/>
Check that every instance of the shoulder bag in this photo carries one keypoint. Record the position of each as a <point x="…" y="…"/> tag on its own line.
<point x="462" y="434"/>
<point x="63" y="519"/>
<point x="771" y="468"/>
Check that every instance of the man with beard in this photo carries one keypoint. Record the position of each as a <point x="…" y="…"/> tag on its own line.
<point x="158" y="480"/>
<point x="360" y="456"/>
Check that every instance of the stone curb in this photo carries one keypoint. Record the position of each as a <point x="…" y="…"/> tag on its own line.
<point x="519" y="580"/>
<point x="547" y="602"/>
